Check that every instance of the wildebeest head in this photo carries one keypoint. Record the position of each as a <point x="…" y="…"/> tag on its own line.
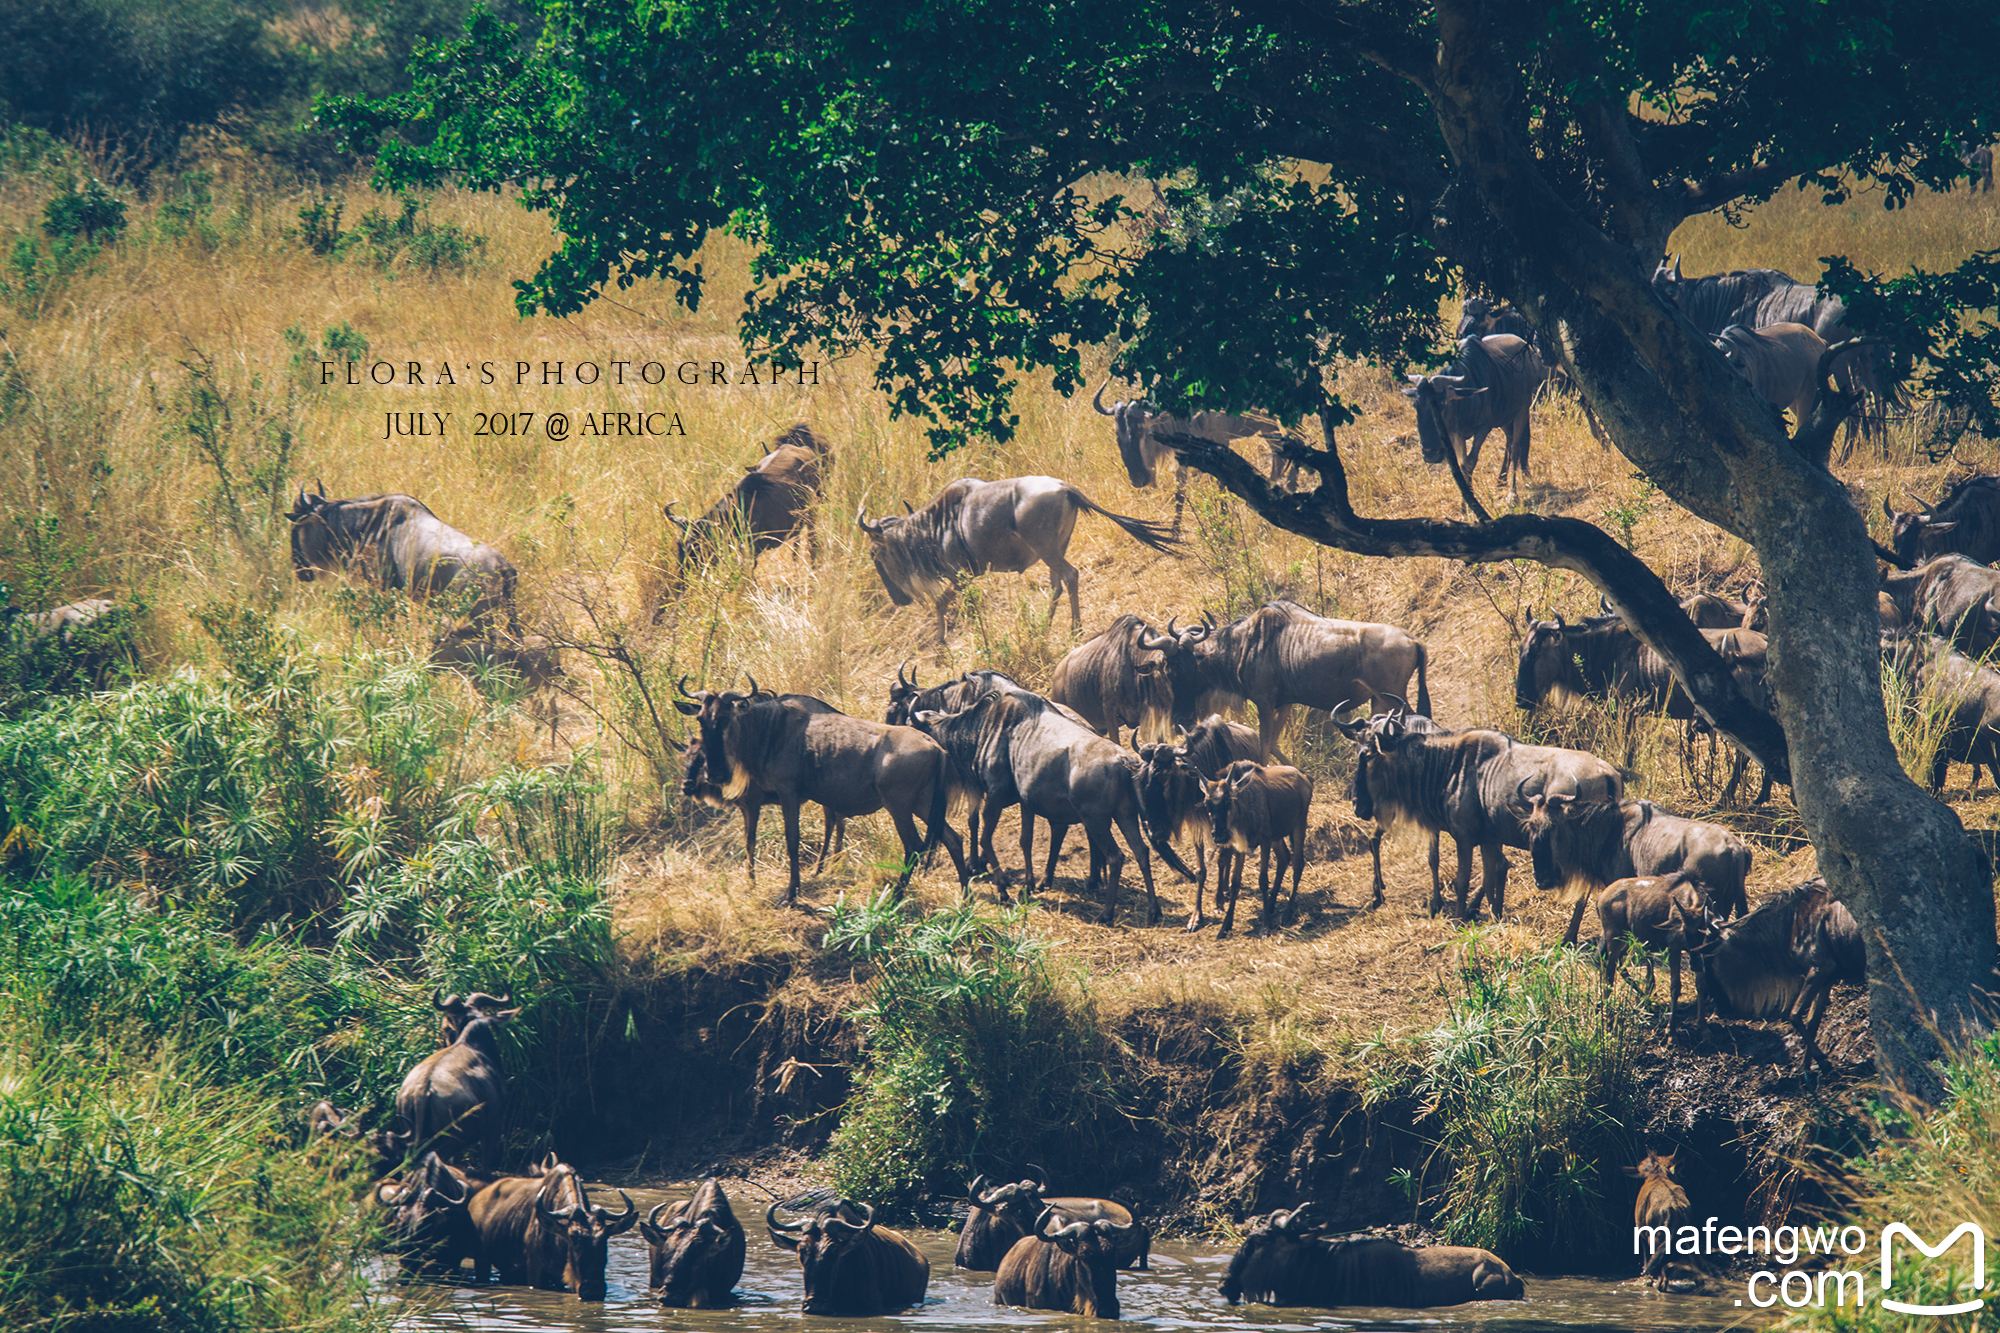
<point x="429" y="1220"/>
<point x="584" y="1231"/>
<point x="714" y="710"/>
<point x="1555" y="826"/>
<point x="1373" y="737"/>
<point x="701" y="538"/>
<point x="1667" y="277"/>
<point x="1098" y="1248"/>
<point x="1653" y="1166"/>
<point x="1934" y="529"/>
<point x="830" y="1235"/>
<point x="696" y="1252"/>
<point x="316" y="546"/>
<point x="1430" y="394"/>
<point x="456" y="1012"/>
<point x="1017" y="1199"/>
<point x="1271" y="1245"/>
<point x="902" y="695"/>
<point x="1547" y="663"/>
<point x="890" y="561"/>
<point x="1177" y="671"/>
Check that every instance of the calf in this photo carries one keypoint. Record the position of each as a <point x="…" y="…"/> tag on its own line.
<point x="1661" y="1209"/>
<point x="1593" y="843"/>
<point x="1170" y="800"/>
<point x="1660" y="912"/>
<point x="1063" y="1265"/>
<point x="1253" y="806"/>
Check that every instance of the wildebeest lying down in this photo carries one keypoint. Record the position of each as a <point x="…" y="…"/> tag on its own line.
<point x="1965" y="521"/>
<point x="770" y="504"/>
<point x="76" y="643"/>
<point x="1064" y="1265"/>
<point x="1783" y="960"/>
<point x="1596" y="842"/>
<point x="973" y="526"/>
<point x="1661" y="912"/>
<point x="695" y="1254"/>
<point x="1491" y="386"/>
<point x="1283" y="1261"/>
<point x="1258" y="807"/>
<point x="852" y="1265"/>
<point x="402" y="545"/>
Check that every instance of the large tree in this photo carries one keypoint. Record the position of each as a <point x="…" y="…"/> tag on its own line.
<point x="914" y="177"/>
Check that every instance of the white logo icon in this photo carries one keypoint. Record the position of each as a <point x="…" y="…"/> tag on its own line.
<point x="1895" y="1229"/>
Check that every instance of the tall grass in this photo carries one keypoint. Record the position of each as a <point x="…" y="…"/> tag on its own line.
<point x="1920" y="705"/>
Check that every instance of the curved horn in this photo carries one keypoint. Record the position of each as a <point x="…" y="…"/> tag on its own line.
<point x="909" y="509"/>
<point x="1604" y="605"/>
<point x="1152" y="641"/>
<point x="439" y="1003"/>
<point x="900" y="669"/>
<point x="1923" y="506"/>
<point x="1097" y="399"/>
<point x="479" y="999"/>
<point x="754" y="691"/>
<point x="1888" y="512"/>
<point x="548" y="1214"/>
<point x="393" y="1193"/>
<point x="771" y="1221"/>
<point x="1519" y="799"/>
<point x="681" y="686"/>
<point x="977" y="1186"/>
<point x="1069" y="1232"/>
<point x="622" y="1220"/>
<point x="1041" y="1178"/>
<point x="1823" y="373"/>
<point x="676" y="519"/>
<point x="653" y="1218"/>
<point x="867" y="1223"/>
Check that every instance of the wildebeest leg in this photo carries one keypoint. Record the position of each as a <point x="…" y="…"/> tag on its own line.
<point x="1493" y="880"/>
<point x="943" y="832"/>
<point x="1437" y="884"/>
<point x="983" y="836"/>
<point x="1267" y="919"/>
<point x="1229" y="876"/>
<point x="1673" y="989"/>
<point x="1375" y="850"/>
<point x="1738" y="761"/>
<point x="1114" y="867"/>
<point x="750" y="813"/>
<point x="827" y="821"/>
<point x="1196" y="921"/>
<point x="1062" y="574"/>
<point x="1027" y="851"/>
<point x="1180" y="492"/>
<point x="913" y="846"/>
<point x="1270" y="725"/>
<point x="1134" y="839"/>
<point x="791" y="809"/>
<point x="1806" y="1014"/>
<point x="1057" y="833"/>
<point x="1298" y="873"/>
<point x="1576" y="923"/>
<point x="1610" y="953"/>
<point x="1461" y="882"/>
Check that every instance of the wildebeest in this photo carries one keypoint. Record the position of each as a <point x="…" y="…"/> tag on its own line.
<point x="1142" y="430"/>
<point x="1710" y="610"/>
<point x="770" y="504"/>
<point x="1780" y="360"/>
<point x="543" y="1231"/>
<point x="1284" y="1261"/>
<point x="1258" y="807"/>
<point x="695" y="1253"/>
<point x="1959" y="600"/>
<point x="1967" y="694"/>
<point x="1282" y="655"/>
<point x="325" y="1120"/>
<point x="1667" y="912"/>
<point x="1470" y="784"/>
<point x="76" y="642"/>
<point x="1017" y="748"/>
<point x="535" y="659"/>
<point x="698" y="785"/>
<point x="1980" y="160"/>
<point x="973" y="526"/>
<point x="403" y="546"/>
<point x="1783" y="960"/>
<point x="996" y="1219"/>
<point x="453" y="1099"/>
<point x="430" y="1225"/>
<point x="1063" y="1264"/>
<point x="1965" y="521"/>
<point x="1480" y="318"/>
<point x="455" y="1012"/>
<point x="1491" y="386"/>
<point x="1170" y="799"/>
<point x="1125" y="677"/>
<point x="1593" y="843"/>
<point x="852" y="1267"/>
<point x="1660" y="1210"/>
<point x="848" y="764"/>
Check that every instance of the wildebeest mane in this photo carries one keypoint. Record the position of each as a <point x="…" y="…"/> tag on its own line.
<point x="924" y="547"/>
<point x="1770" y="939"/>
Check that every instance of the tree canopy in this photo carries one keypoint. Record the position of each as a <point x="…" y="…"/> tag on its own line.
<point x="963" y="192"/>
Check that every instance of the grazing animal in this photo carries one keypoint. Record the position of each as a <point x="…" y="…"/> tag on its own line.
<point x="542" y="1231"/>
<point x="1667" y="912"/>
<point x="852" y="1265"/>
<point x="996" y="1219"/>
<point x="453" y="1099"/>
<point x="1254" y="807"/>
<point x="1781" y="361"/>
<point x="403" y="546"/>
<point x="1170" y="800"/>
<point x="1661" y="1209"/>
<point x="1597" y="842"/>
<point x="1469" y="784"/>
<point x="697" y="785"/>
<point x="695" y="1253"/>
<point x="1284" y="1261"/>
<point x="771" y="503"/>
<point x="1968" y="689"/>
<point x="973" y="526"/>
<point x="1491" y="385"/>
<point x="325" y="1120"/>
<point x="430" y="1225"/>
<point x="787" y="756"/>
<point x="1710" y="610"/>
<point x="1064" y="1264"/>
<point x="1783" y="961"/>
<point x="1965" y="521"/>
<point x="1283" y="655"/>
<point x="1482" y="319"/>
<point x="1143" y="430"/>
<point x="1125" y="677"/>
<point x="1959" y="600"/>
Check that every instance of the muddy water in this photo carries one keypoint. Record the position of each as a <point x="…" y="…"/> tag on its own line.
<point x="1179" y="1293"/>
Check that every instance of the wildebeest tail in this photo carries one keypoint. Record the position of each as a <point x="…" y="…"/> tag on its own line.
<point x="1159" y="536"/>
<point x="1423" y="684"/>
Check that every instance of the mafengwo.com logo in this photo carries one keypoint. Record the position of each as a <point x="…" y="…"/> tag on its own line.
<point x="1815" y="1266"/>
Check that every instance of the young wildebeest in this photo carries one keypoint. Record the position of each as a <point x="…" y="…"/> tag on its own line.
<point x="1492" y="385"/>
<point x="543" y="1231"/>
<point x="1282" y="655"/>
<point x="1125" y="677"/>
<point x="1783" y="960"/>
<point x="697" y="785"/>
<point x="1284" y="1261"/>
<point x="972" y="526"/>
<point x="849" y="765"/>
<point x="1593" y="843"/>
<point x="1660" y="912"/>
<point x="770" y="504"/>
<point x="695" y="1254"/>
<point x="852" y="1267"/>
<point x="1256" y="807"/>
<point x="1467" y="784"/>
<point x="1781" y="361"/>
<point x="1970" y="691"/>
<point x="1064" y="1264"/>
<point x="1964" y="521"/>
<point x="402" y="545"/>
<point x="1170" y="800"/>
<point x="1142" y="431"/>
<point x="1660" y="1210"/>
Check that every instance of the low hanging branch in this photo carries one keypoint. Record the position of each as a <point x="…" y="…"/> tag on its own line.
<point x="1327" y="516"/>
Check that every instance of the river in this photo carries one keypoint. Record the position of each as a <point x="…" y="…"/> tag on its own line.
<point x="1178" y="1293"/>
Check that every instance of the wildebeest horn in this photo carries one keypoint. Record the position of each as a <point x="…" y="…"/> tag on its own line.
<point x="479" y="999"/>
<point x="620" y="1221"/>
<point x="322" y="487"/>
<point x="754" y="691"/>
<point x="1069" y="1232"/>
<point x="1041" y="1177"/>
<point x="1519" y="798"/>
<point x="1604" y="605"/>
<point x="1924" y="507"/>
<point x="908" y="508"/>
<point x="1886" y="510"/>
<point x="653" y="1218"/>
<point x="977" y="1186"/>
<point x="1152" y="641"/>
<point x="902" y="667"/>
<point x="861" y="518"/>
<point x="676" y="519"/>
<point x="393" y="1193"/>
<point x="682" y="686"/>
<point x="867" y="1223"/>
<point x="547" y="1213"/>
<point x="1097" y="399"/>
<point x="771" y="1221"/>
<point x="449" y="1006"/>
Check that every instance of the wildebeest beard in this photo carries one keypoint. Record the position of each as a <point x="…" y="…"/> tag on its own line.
<point x="919" y="555"/>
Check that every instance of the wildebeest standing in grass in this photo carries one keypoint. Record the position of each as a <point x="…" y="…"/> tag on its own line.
<point x="849" y="765"/>
<point x="695" y="1253"/>
<point x="1282" y="655"/>
<point x="1257" y="807"/>
<point x="698" y="785"/>
<point x="1593" y="843"/>
<point x="1783" y="961"/>
<point x="1285" y="1261"/>
<point x="851" y="1264"/>
<point x="1143" y="431"/>
<point x="1780" y="360"/>
<point x="1667" y="912"/>
<point x="1966" y="692"/>
<point x="770" y="504"/>
<point x="1491" y="386"/>
<point x="402" y="546"/>
<point x="973" y="526"/>
<point x="1170" y="800"/>
<point x="1063" y="1265"/>
<point x="1959" y="600"/>
<point x="1124" y="677"/>
<point x="1965" y="521"/>
<point x="1661" y="1209"/>
<point x="1469" y="784"/>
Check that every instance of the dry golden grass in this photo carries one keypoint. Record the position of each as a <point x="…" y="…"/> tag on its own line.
<point x="100" y="442"/>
